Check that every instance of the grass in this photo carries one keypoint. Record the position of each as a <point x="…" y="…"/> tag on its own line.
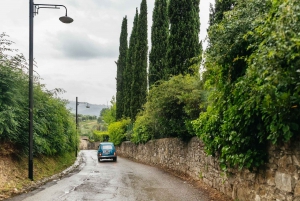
<point x="86" y="127"/>
<point x="14" y="171"/>
<point x="47" y="166"/>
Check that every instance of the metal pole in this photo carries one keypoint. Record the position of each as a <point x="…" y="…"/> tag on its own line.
<point x="76" y="144"/>
<point x="30" y="162"/>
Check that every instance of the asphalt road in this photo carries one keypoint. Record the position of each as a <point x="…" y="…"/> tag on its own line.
<point x="117" y="181"/>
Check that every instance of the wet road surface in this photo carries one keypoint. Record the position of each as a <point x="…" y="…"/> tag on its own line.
<point x="115" y="181"/>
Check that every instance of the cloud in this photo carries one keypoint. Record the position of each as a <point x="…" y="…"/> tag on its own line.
<point x="78" y="57"/>
<point x="83" y="47"/>
<point x="120" y="4"/>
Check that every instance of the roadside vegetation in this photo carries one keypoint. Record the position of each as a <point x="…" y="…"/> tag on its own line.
<point x="247" y="94"/>
<point x="95" y="129"/>
<point x="14" y="174"/>
<point x="253" y="77"/>
<point x="54" y="126"/>
<point x="86" y="125"/>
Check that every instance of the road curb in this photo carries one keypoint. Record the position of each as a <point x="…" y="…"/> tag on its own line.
<point x="36" y="184"/>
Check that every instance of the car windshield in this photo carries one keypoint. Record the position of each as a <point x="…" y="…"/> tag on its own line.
<point x="106" y="147"/>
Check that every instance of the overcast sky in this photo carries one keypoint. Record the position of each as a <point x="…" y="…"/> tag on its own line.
<point x="78" y="57"/>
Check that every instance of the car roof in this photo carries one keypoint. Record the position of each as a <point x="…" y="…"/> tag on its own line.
<point x="110" y="143"/>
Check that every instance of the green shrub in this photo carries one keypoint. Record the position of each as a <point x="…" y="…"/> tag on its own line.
<point x="13" y="103"/>
<point x="109" y="114"/>
<point x="141" y="129"/>
<point x="53" y="125"/>
<point x="117" y="131"/>
<point x="100" y="136"/>
<point x="253" y="71"/>
<point x="169" y="110"/>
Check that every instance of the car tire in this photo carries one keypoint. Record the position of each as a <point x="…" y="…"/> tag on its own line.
<point x="115" y="159"/>
<point x="99" y="160"/>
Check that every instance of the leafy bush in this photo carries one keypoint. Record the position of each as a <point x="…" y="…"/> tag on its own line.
<point x="141" y="129"/>
<point x="54" y="128"/>
<point x="13" y="103"/>
<point x="169" y="109"/>
<point x="53" y="125"/>
<point x="13" y="97"/>
<point x="109" y="115"/>
<point x="253" y="71"/>
<point x="101" y="136"/>
<point x="117" y="131"/>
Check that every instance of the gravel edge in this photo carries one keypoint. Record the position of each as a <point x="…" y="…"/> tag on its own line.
<point x="36" y="184"/>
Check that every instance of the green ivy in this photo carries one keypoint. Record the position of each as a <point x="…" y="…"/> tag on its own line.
<point x="253" y="74"/>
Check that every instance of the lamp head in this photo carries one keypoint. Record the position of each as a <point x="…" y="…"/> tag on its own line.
<point x="66" y="19"/>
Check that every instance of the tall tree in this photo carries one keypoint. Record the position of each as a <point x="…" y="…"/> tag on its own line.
<point x="121" y="66"/>
<point x="159" y="41"/>
<point x="139" y="83"/>
<point x="183" y="42"/>
<point x="131" y="60"/>
<point x="217" y="12"/>
<point x="242" y="94"/>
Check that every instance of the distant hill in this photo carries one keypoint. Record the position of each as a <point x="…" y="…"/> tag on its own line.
<point x="94" y="109"/>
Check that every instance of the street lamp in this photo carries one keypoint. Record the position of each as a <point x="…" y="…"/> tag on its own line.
<point x="33" y="10"/>
<point x="76" y="117"/>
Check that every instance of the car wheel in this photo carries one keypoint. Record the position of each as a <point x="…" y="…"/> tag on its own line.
<point x="99" y="160"/>
<point x="115" y="159"/>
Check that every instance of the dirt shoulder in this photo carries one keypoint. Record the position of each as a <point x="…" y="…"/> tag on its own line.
<point x="14" y="172"/>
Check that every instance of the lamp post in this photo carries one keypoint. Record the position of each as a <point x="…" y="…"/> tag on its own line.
<point x="33" y="10"/>
<point x="76" y="117"/>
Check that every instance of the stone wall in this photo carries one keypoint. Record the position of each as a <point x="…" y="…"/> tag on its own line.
<point x="277" y="180"/>
<point x="83" y="144"/>
<point x="87" y="145"/>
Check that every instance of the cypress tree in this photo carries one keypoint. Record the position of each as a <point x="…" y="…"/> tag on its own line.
<point x="139" y="82"/>
<point x="131" y="60"/>
<point x="121" y="66"/>
<point x="183" y="44"/>
<point x="217" y="12"/>
<point x="159" y="41"/>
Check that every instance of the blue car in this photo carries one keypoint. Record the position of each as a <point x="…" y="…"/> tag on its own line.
<point x="107" y="150"/>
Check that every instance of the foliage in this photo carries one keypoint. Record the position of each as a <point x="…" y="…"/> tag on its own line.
<point x="117" y="131"/>
<point x="12" y="60"/>
<point x="100" y="136"/>
<point x="82" y="117"/>
<point x="103" y="110"/>
<point x="54" y="126"/>
<point x="274" y="72"/>
<point x="217" y="12"/>
<point x="87" y="128"/>
<point x="13" y="103"/>
<point x="170" y="107"/>
<point x="159" y="42"/>
<point x="121" y="67"/>
<point x="143" y="129"/>
<point x="253" y="71"/>
<point x="13" y="99"/>
<point x="183" y="43"/>
<point x="131" y="60"/>
<point x="139" y="72"/>
<point x="109" y="115"/>
<point x="101" y="123"/>
<point x="17" y="173"/>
